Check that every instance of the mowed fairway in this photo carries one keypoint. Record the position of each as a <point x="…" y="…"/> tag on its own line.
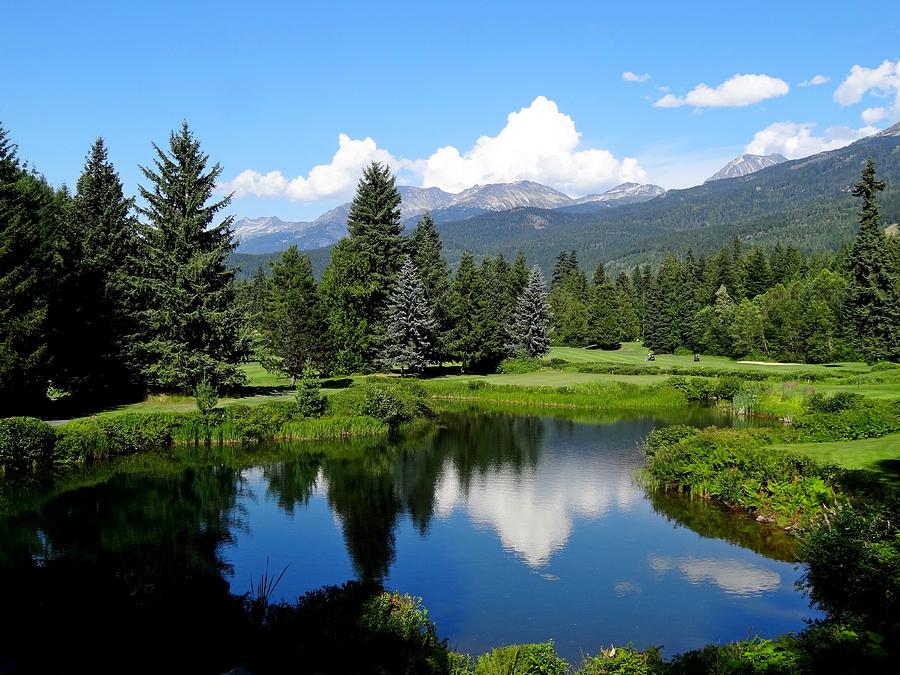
<point x="881" y="455"/>
<point x="635" y="354"/>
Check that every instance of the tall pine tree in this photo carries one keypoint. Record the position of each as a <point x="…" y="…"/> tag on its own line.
<point x="27" y="222"/>
<point x="88" y="315"/>
<point x="188" y="322"/>
<point x="873" y="305"/>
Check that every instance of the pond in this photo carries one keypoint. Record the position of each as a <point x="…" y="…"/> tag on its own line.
<point x="512" y="529"/>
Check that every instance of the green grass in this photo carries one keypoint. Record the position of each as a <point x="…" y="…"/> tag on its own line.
<point x="881" y="455"/>
<point x="554" y="378"/>
<point x="635" y="354"/>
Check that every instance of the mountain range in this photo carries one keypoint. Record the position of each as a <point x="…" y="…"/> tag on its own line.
<point x="264" y="235"/>
<point x="805" y="202"/>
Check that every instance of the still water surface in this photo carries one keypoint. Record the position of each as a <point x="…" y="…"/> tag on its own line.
<point x="511" y="528"/>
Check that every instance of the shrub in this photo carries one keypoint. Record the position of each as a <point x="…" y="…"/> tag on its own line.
<point x="884" y="365"/>
<point x="519" y="365"/>
<point x="853" y="568"/>
<point x="310" y="402"/>
<point x="95" y="438"/>
<point x="666" y="436"/>
<point x="206" y="396"/>
<point x="475" y="385"/>
<point x="388" y="400"/>
<point x="782" y="656"/>
<point x="557" y="363"/>
<point x="624" y="661"/>
<point x="847" y="417"/>
<point x="24" y="442"/>
<point x="727" y="386"/>
<point x="533" y="659"/>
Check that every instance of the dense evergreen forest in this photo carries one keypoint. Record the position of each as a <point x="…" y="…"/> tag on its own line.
<point x="104" y="297"/>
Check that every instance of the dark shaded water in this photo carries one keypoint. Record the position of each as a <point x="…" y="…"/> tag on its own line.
<point x="511" y="528"/>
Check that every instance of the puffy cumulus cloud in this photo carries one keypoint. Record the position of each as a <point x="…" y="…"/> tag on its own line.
<point x="882" y="81"/>
<point x="323" y="181"/>
<point x="629" y="76"/>
<point x="736" y="92"/>
<point x="538" y="143"/>
<point x="795" y="140"/>
<point x="815" y="81"/>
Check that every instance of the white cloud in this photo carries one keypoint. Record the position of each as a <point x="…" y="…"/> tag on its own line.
<point x="736" y="92"/>
<point x="795" y="140"/>
<point x="538" y="143"/>
<point x="629" y="76"/>
<point x="323" y="181"/>
<point x="815" y="81"/>
<point x="882" y="81"/>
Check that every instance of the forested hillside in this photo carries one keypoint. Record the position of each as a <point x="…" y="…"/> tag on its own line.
<point x="804" y="202"/>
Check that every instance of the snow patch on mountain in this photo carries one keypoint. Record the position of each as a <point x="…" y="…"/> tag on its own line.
<point x="745" y="165"/>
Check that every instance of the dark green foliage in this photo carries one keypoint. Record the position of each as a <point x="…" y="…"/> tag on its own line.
<point x="347" y="292"/>
<point x="529" y="328"/>
<point x="310" y="401"/>
<point x="206" y="397"/>
<point x="873" y="302"/>
<point x="88" y="313"/>
<point x="853" y="562"/>
<point x="735" y="468"/>
<point x="410" y="331"/>
<point x="568" y="301"/>
<point x="354" y="628"/>
<point x="27" y="224"/>
<point x="665" y="308"/>
<point x="100" y="438"/>
<point x="425" y="249"/>
<point x="845" y="417"/>
<point x="480" y="313"/>
<point x="624" y="661"/>
<point x="605" y="305"/>
<point x="182" y="291"/>
<point x="374" y="224"/>
<point x="533" y="659"/>
<point x="389" y="400"/>
<point x="24" y="442"/>
<point x="291" y="321"/>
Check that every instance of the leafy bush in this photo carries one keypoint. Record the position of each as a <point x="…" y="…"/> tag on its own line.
<point x="95" y="438"/>
<point x="558" y="363"/>
<point x="206" y="396"/>
<point x="884" y="365"/>
<point x="736" y="468"/>
<point x="533" y="659"/>
<point x="389" y="400"/>
<point x="624" y="661"/>
<point x="519" y="365"/>
<point x="727" y="386"/>
<point x="854" y="564"/>
<point x="782" y="656"/>
<point x="354" y="628"/>
<point x="25" y="441"/>
<point x="475" y="385"/>
<point x="846" y="417"/>
<point x="669" y="435"/>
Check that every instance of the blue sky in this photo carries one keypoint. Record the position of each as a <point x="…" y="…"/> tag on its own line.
<point x="269" y="87"/>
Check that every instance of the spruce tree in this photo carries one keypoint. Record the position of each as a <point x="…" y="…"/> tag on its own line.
<point x="88" y="315"/>
<point x="27" y="223"/>
<point x="291" y="323"/>
<point x="425" y="249"/>
<point x="604" y="327"/>
<point x="409" y="325"/>
<point x="873" y="305"/>
<point x="491" y="321"/>
<point x="374" y="224"/>
<point x="347" y="291"/>
<point x="664" y="321"/>
<point x="188" y="323"/>
<point x="464" y="303"/>
<point x="628" y="309"/>
<point x="530" y="330"/>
